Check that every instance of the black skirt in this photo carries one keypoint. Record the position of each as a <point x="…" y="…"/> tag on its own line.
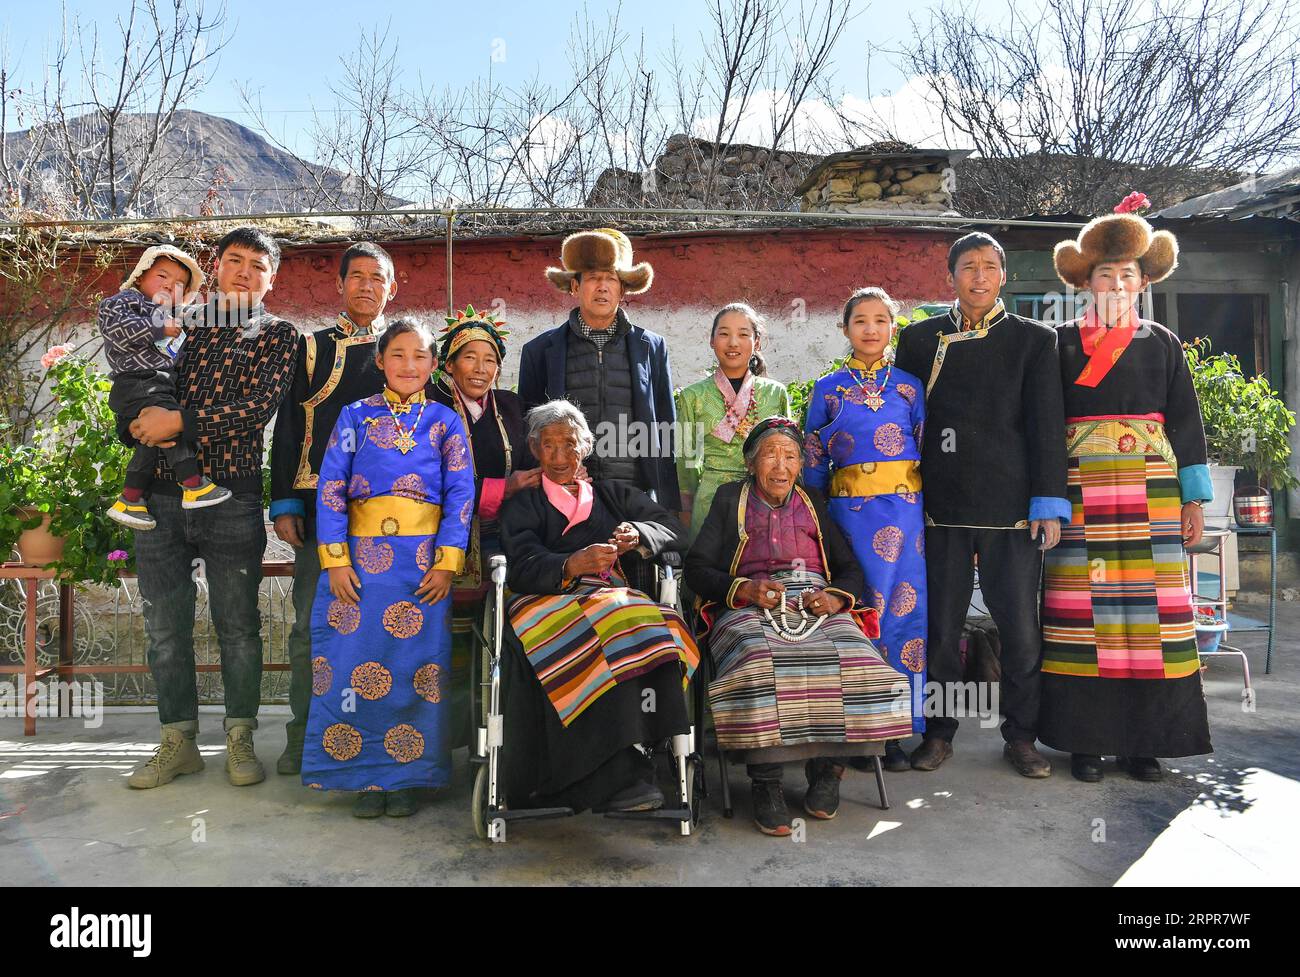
<point x="548" y="764"/>
<point x="1124" y="717"/>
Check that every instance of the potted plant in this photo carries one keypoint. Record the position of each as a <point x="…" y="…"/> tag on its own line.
<point x="1246" y="426"/>
<point x="62" y="481"/>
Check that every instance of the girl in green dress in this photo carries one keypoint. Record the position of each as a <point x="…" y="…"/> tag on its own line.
<point x="715" y="414"/>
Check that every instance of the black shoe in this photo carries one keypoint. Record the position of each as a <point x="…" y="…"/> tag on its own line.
<point x="401" y="803"/>
<point x="1024" y="756"/>
<point x="369" y="804"/>
<point x="639" y="796"/>
<point x="770" y="813"/>
<point x="931" y="753"/>
<point x="822" y="800"/>
<point x="1142" y="768"/>
<point x="1086" y="767"/>
<point x="896" y="758"/>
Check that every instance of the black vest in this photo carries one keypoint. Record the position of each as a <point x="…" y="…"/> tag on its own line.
<point x="599" y="383"/>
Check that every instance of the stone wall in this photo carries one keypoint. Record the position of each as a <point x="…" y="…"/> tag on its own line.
<point x="896" y="185"/>
<point x="743" y="178"/>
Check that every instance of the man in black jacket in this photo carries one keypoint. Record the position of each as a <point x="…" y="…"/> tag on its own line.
<point x="994" y="470"/>
<point x="615" y="372"/>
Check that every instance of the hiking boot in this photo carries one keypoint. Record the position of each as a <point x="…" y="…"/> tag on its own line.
<point x="177" y="754"/>
<point x="640" y="796"/>
<point x="896" y="758"/>
<point x="931" y="753"/>
<point x="206" y="493"/>
<point x="770" y="813"/>
<point x="822" y="799"/>
<point x="1024" y="756"/>
<point x="242" y="765"/>
<point x="290" y="761"/>
<point x="134" y="515"/>
<point x="369" y="804"/>
<point x="400" y="803"/>
<point x="1085" y="767"/>
<point x="1142" y="768"/>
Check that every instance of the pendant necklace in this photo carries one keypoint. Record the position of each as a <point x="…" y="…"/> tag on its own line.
<point x="405" y="440"/>
<point x="873" y="395"/>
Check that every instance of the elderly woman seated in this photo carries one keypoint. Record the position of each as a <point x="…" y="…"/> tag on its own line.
<point x="797" y="677"/>
<point x="592" y="669"/>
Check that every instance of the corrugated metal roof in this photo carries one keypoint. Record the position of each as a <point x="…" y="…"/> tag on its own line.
<point x="1273" y="195"/>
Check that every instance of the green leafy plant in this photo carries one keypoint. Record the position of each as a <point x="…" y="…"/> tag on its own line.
<point x="72" y="469"/>
<point x="1246" y="422"/>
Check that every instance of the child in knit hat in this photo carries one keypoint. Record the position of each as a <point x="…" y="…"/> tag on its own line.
<point x="141" y="342"/>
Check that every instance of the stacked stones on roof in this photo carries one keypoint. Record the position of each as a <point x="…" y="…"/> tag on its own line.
<point x="744" y="178"/>
<point x="883" y="178"/>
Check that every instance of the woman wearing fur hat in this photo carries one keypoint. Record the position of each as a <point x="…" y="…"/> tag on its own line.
<point x="1120" y="670"/>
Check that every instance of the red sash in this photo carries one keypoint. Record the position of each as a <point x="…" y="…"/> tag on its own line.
<point x="1103" y="346"/>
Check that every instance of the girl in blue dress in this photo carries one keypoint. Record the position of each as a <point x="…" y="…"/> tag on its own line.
<point x="394" y="506"/>
<point x="862" y="451"/>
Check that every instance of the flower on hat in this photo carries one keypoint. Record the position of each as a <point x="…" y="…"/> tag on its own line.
<point x="1134" y="203"/>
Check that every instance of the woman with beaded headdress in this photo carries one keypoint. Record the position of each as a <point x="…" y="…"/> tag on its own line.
<point x="472" y="352"/>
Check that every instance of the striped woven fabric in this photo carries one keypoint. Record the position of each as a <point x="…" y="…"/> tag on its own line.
<point x="1117" y="602"/>
<point x="584" y="642"/>
<point x="832" y="688"/>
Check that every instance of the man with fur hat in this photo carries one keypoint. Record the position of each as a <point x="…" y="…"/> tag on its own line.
<point x="141" y="343"/>
<point x="993" y="463"/>
<point x="1121" y="674"/>
<point x="617" y="373"/>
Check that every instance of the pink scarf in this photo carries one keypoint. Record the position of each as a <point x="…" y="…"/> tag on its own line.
<point x="737" y="401"/>
<point x="474" y="408"/>
<point x="575" y="509"/>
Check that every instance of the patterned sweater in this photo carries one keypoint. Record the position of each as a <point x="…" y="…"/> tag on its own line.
<point x="232" y="374"/>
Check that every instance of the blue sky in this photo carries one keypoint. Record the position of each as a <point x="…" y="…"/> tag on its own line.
<point x="290" y="50"/>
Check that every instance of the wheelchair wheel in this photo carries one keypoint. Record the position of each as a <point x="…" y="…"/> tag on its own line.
<point x="478" y="802"/>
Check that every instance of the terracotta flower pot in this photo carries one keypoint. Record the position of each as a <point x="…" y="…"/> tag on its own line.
<point x="39" y="547"/>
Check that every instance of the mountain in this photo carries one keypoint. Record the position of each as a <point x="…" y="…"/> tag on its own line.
<point x="203" y="159"/>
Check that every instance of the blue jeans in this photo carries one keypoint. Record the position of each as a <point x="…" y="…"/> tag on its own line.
<point x="224" y="544"/>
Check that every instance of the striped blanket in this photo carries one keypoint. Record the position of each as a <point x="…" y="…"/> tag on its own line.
<point x="832" y="688"/>
<point x="1117" y="602"/>
<point x="583" y="642"/>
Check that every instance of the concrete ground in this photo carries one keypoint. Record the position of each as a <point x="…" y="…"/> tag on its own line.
<point x="68" y="818"/>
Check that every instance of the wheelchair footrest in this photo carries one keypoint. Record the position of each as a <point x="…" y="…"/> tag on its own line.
<point x="533" y="814"/>
<point x="662" y="814"/>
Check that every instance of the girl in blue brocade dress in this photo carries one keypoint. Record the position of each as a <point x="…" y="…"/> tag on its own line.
<point x="862" y="451"/>
<point x="394" y="506"/>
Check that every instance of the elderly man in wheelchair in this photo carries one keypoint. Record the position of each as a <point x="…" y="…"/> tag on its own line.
<point x="589" y="671"/>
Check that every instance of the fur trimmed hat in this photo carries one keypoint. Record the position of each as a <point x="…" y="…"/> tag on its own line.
<point x="175" y="254"/>
<point x="603" y="249"/>
<point x="1116" y="237"/>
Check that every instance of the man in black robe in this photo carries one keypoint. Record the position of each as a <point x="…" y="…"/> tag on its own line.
<point x="994" y="471"/>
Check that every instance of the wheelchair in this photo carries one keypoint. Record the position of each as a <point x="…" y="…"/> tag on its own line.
<point x="488" y="810"/>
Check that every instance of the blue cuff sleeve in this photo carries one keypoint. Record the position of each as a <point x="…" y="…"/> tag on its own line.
<point x="287" y="507"/>
<point x="1194" y="481"/>
<point x="1046" y="507"/>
